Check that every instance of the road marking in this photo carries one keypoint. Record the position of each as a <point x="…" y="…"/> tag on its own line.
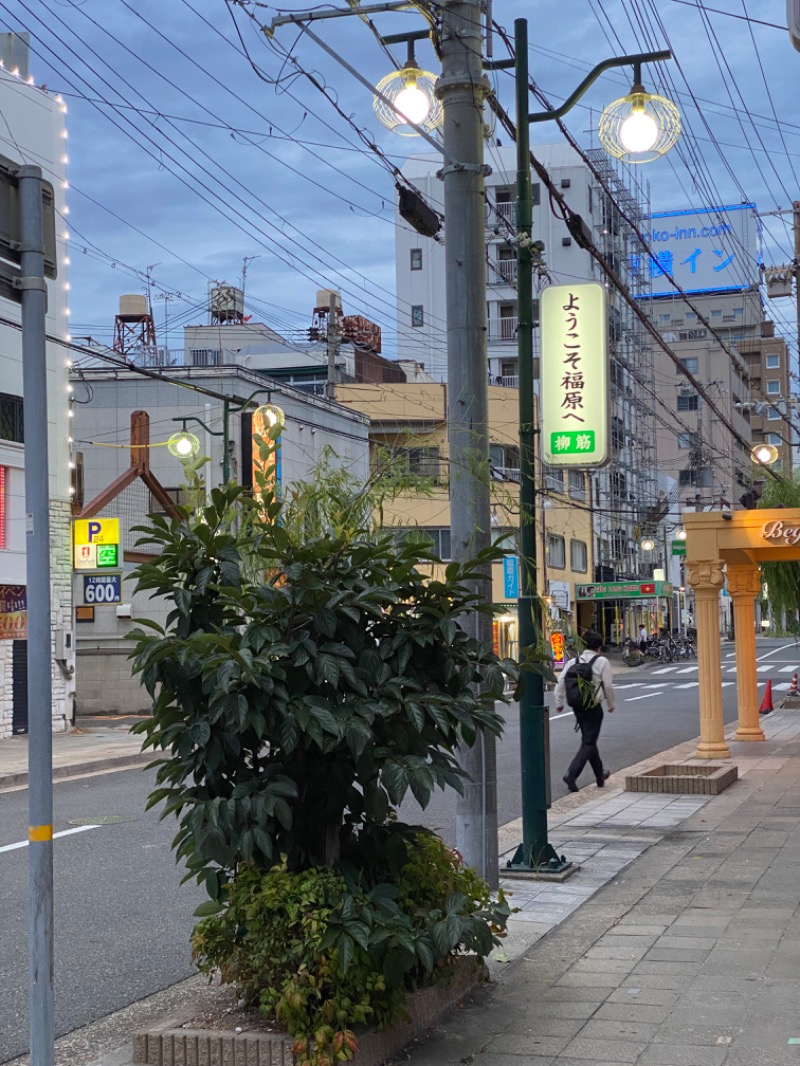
<point x="774" y="652"/>
<point x="646" y="696"/>
<point x="658" y="684"/>
<point x="727" y="684"/>
<point x="564" y="714"/>
<point x="764" y="669"/>
<point x="687" y="669"/>
<point x="690" y="684"/>
<point x="787" y="669"/>
<point x="665" y="670"/>
<point x="636" y="684"/>
<point x="63" y="833"/>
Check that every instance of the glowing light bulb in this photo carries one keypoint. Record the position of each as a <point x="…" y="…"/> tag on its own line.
<point x="413" y="103"/>
<point x="183" y="446"/>
<point x="648" y="545"/>
<point x="639" y="132"/>
<point x="681" y="534"/>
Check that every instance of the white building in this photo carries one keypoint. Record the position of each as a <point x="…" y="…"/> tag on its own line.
<point x="33" y="131"/>
<point x="190" y="397"/>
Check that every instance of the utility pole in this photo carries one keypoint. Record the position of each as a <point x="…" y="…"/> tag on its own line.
<point x="40" y="693"/>
<point x="333" y="340"/>
<point x="461" y="89"/>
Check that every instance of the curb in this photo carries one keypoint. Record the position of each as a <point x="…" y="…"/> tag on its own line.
<point x="111" y="762"/>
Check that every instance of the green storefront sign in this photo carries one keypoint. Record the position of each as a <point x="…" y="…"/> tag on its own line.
<point x="623" y="590"/>
<point x="679" y="547"/>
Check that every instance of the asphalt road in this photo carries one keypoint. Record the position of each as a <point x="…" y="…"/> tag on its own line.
<point x="122" y="920"/>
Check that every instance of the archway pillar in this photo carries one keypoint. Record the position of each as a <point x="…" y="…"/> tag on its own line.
<point x="706" y="579"/>
<point x="744" y="584"/>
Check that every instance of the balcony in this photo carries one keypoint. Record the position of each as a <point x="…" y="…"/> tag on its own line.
<point x="507" y="270"/>
<point x="503" y="329"/>
<point x="501" y="213"/>
<point x="506" y="473"/>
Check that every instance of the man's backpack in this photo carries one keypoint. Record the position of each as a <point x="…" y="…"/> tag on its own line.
<point x="580" y="687"/>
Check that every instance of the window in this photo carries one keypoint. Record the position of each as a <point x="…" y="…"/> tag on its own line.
<point x="774" y="414"/>
<point x="178" y="496"/>
<point x="556" y="552"/>
<point x="687" y="477"/>
<point x="11" y="418"/>
<point x="504" y="461"/>
<point x="686" y="440"/>
<point x="416" y="259"/>
<point x="417" y="315"/>
<point x="716" y="314"/>
<point x="204" y="356"/>
<point x="691" y="364"/>
<point x="577" y="487"/>
<point x="687" y="403"/>
<point x="439" y="538"/>
<point x="664" y="318"/>
<point x="423" y="462"/>
<point x="578" y="557"/>
<point x="554" y="479"/>
<point x="773" y="388"/>
<point x="773" y="362"/>
<point x="774" y="438"/>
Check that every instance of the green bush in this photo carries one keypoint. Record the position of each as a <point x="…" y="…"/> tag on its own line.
<point x="321" y="955"/>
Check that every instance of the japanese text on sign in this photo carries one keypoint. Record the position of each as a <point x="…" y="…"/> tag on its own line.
<point x="574" y="375"/>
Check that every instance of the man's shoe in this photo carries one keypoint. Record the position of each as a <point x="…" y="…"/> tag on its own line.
<point x="602" y="781"/>
<point x="568" y="781"/>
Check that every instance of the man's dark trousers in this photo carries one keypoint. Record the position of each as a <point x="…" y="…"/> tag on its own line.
<point x="589" y="723"/>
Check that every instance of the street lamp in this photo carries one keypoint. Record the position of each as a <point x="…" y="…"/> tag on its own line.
<point x="227" y="401"/>
<point x="405" y="100"/>
<point x="648" y="545"/>
<point x="764" y="454"/>
<point x="183" y="445"/>
<point x="535" y="852"/>
<point x="641" y="126"/>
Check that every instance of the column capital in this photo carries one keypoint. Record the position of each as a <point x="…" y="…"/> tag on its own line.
<point x="743" y="579"/>
<point x="706" y="575"/>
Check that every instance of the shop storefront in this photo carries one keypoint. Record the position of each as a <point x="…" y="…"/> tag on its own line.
<point x="622" y="608"/>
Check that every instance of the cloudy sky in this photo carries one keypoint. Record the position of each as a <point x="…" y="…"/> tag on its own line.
<point x="196" y="143"/>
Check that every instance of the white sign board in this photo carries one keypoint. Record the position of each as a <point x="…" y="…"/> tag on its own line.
<point x="715" y="249"/>
<point x="574" y="416"/>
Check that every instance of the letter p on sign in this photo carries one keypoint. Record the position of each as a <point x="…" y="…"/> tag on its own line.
<point x="94" y="530"/>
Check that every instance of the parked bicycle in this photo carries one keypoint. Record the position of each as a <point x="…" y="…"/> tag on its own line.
<point x="632" y="654"/>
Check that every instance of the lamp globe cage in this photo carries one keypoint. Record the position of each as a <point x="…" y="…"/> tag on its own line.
<point x="268" y="420"/>
<point x="405" y="96"/>
<point x="764" y="454"/>
<point x="639" y="127"/>
<point x="183" y="445"/>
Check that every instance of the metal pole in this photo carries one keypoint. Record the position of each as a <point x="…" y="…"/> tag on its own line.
<point x="534" y="852"/>
<point x="226" y="450"/>
<point x="40" y="696"/>
<point x="461" y="88"/>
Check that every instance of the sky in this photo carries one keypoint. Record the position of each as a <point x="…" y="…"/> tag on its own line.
<point x="197" y="144"/>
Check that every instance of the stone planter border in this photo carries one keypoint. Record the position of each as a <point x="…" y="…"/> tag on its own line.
<point x="172" y="1046"/>
<point x="694" y="779"/>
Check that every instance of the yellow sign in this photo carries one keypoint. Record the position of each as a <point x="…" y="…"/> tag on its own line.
<point x="95" y="531"/>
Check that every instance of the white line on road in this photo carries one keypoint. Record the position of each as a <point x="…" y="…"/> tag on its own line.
<point x="787" y="669"/>
<point x="63" y="833"/>
<point x="665" y="670"/>
<point x="687" y="669"/>
<point x="763" y="669"/>
<point x="690" y="684"/>
<point x="660" y="685"/>
<point x="773" y="652"/>
<point x="727" y="684"/>
<point x="646" y="696"/>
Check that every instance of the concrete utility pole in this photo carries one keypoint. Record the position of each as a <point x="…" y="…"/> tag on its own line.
<point x="40" y="694"/>
<point x="461" y="88"/>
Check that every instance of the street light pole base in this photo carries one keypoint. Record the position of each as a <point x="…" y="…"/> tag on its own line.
<point x="546" y="865"/>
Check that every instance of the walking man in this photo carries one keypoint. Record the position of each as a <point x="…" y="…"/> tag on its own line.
<point x="587" y="682"/>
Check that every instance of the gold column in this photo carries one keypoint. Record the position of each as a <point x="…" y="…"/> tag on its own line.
<point x="706" y="580"/>
<point x="744" y="584"/>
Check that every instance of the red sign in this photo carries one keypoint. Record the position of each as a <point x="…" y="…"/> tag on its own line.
<point x="557" y="644"/>
<point x="647" y="590"/>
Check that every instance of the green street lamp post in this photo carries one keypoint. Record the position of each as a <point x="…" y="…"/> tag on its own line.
<point x="638" y="123"/>
<point x="227" y="408"/>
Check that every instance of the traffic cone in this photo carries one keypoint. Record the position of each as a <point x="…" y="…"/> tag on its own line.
<point x="793" y="687"/>
<point x="766" y="703"/>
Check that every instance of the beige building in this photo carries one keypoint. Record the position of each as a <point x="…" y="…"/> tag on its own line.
<point x="408" y="428"/>
<point x="767" y="358"/>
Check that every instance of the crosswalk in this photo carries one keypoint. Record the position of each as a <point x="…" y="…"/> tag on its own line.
<point x="677" y="676"/>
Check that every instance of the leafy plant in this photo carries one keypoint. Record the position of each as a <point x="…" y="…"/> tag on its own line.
<point x="322" y="955"/>
<point x="308" y="676"/>
<point x="781" y="580"/>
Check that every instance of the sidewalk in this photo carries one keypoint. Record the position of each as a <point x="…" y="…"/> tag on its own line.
<point x="676" y="944"/>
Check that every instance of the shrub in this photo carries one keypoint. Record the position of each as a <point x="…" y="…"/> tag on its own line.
<point x="320" y="955"/>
